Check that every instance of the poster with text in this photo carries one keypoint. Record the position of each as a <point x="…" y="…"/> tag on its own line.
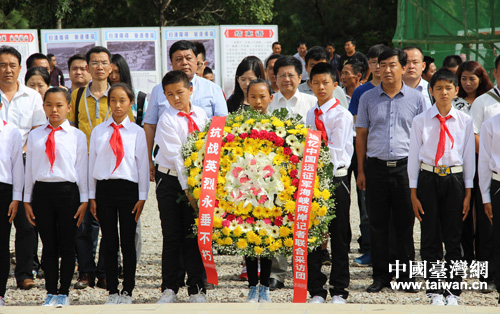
<point x="240" y="41"/>
<point x="207" y="35"/>
<point x="23" y="40"/>
<point x="64" y="43"/>
<point x="141" y="49"/>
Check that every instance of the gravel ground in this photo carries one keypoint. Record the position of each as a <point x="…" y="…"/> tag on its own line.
<point x="230" y="289"/>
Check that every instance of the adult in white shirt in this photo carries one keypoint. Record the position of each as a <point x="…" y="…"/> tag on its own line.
<point x="288" y="71"/>
<point x="413" y="75"/>
<point x="22" y="108"/>
<point x="301" y="55"/>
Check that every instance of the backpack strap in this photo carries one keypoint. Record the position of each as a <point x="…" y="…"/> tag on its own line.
<point x="141" y="99"/>
<point x="77" y="104"/>
<point x="493" y="95"/>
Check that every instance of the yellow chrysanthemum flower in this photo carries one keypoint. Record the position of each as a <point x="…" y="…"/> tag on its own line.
<point x="317" y="193"/>
<point x="273" y="247"/>
<point x="278" y="123"/>
<point x="228" y="241"/>
<point x="198" y="144"/>
<point x="285" y="231"/>
<point x="289" y="242"/>
<point x="325" y="194"/>
<point x="215" y="236"/>
<point x="242" y="243"/>
<point x="226" y="231"/>
<point x="268" y="240"/>
<point x="188" y="162"/>
<point x="217" y="222"/>
<point x="237" y="231"/>
<point x="258" y="250"/>
<point x="290" y="206"/>
<point x="262" y="232"/>
<point x="201" y="135"/>
<point x="196" y="193"/>
<point x="322" y="211"/>
<point x="250" y="121"/>
<point x="194" y="172"/>
<point x="220" y="241"/>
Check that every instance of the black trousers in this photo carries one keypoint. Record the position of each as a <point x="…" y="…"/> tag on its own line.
<point x="442" y="200"/>
<point x="388" y="202"/>
<point x="54" y="206"/>
<point x="115" y="201"/>
<point x="176" y="224"/>
<point x="495" y="204"/>
<point x="340" y="236"/>
<point x="5" y="200"/>
<point x="87" y="238"/>
<point x="252" y="264"/>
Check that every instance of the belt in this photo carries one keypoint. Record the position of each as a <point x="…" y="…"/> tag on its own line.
<point x="168" y="171"/>
<point x="391" y="163"/>
<point x="442" y="170"/>
<point x="496" y="176"/>
<point x="341" y="172"/>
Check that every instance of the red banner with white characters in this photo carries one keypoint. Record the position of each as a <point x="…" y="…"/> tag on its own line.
<point x="207" y="196"/>
<point x="302" y="211"/>
<point x="16" y="37"/>
<point x="249" y="33"/>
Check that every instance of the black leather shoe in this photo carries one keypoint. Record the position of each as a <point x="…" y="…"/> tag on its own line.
<point x="275" y="284"/>
<point x="101" y="283"/>
<point x="376" y="286"/>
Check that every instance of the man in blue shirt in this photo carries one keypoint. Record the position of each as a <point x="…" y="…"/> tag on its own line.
<point x="383" y="126"/>
<point x="206" y="94"/>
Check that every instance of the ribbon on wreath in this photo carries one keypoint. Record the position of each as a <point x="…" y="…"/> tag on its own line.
<point x="302" y="213"/>
<point x="208" y="196"/>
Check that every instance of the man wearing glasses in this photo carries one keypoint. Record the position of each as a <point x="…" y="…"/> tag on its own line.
<point x="288" y="71"/>
<point x="89" y="108"/>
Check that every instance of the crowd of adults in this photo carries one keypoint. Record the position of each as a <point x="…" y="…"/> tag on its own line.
<point x="383" y="191"/>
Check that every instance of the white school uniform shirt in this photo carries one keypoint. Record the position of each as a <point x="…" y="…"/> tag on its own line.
<point x="483" y="108"/>
<point x="339" y="125"/>
<point x="24" y="110"/>
<point x="134" y="166"/>
<point x="424" y="139"/>
<point x="171" y="133"/>
<point x="299" y="103"/>
<point x="11" y="159"/>
<point x="70" y="164"/>
<point x="489" y="155"/>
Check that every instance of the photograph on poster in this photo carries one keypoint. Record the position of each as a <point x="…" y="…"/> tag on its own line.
<point x="209" y="48"/>
<point x="140" y="55"/>
<point x="63" y="51"/>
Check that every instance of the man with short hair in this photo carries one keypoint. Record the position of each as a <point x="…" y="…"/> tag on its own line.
<point x="201" y="58"/>
<point x="22" y="108"/>
<point x="383" y="125"/>
<point x="430" y="68"/>
<point x="352" y="54"/>
<point x="314" y="56"/>
<point x="78" y="74"/>
<point x="334" y="58"/>
<point x="206" y="94"/>
<point x="56" y="75"/>
<point x="270" y="71"/>
<point x="276" y="48"/>
<point x="301" y="55"/>
<point x="38" y="60"/>
<point x="413" y="75"/>
<point x="350" y="76"/>
<point x="452" y="63"/>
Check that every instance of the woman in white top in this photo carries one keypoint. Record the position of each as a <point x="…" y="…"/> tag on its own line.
<point x="473" y="81"/>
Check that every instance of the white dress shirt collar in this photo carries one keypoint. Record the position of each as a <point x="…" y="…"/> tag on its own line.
<point x="126" y="122"/>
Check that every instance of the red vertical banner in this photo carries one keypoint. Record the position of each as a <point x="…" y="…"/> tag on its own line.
<point x="208" y="196"/>
<point x="302" y="211"/>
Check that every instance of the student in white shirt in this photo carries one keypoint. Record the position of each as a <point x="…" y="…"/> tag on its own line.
<point x="441" y="167"/>
<point x="56" y="191"/>
<point x="489" y="182"/>
<point x="336" y="124"/>
<point x="11" y="189"/>
<point x="118" y="188"/>
<point x="178" y="121"/>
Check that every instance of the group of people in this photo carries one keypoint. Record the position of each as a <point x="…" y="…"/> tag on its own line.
<point x="74" y="164"/>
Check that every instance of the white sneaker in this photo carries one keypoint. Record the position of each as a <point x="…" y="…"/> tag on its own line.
<point x="197" y="298"/>
<point x="62" y="300"/>
<point x="125" y="298"/>
<point x="338" y="299"/>
<point x="113" y="299"/>
<point x="2" y="301"/>
<point x="168" y="296"/>
<point x="317" y="299"/>
<point x="452" y="300"/>
<point x="50" y="300"/>
<point x="436" y="298"/>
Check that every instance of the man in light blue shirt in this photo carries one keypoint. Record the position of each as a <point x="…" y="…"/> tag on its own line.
<point x="206" y="94"/>
<point x="383" y="124"/>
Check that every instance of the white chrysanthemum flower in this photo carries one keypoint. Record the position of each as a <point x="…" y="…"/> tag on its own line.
<point x="218" y="212"/>
<point x="274" y="232"/>
<point x="246" y="227"/>
<point x="298" y="149"/>
<point x="244" y="128"/>
<point x="281" y="132"/>
<point x="233" y="225"/>
<point x="260" y="224"/>
<point x="291" y="139"/>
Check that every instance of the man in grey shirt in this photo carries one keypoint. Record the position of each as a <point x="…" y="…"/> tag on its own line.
<point x="383" y="124"/>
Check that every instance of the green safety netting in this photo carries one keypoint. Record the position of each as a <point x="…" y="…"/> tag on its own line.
<point x="446" y="27"/>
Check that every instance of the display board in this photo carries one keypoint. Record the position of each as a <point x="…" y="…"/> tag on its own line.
<point x="207" y="35"/>
<point x="24" y="40"/>
<point x="140" y="46"/>
<point x="64" y="43"/>
<point x="240" y="41"/>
